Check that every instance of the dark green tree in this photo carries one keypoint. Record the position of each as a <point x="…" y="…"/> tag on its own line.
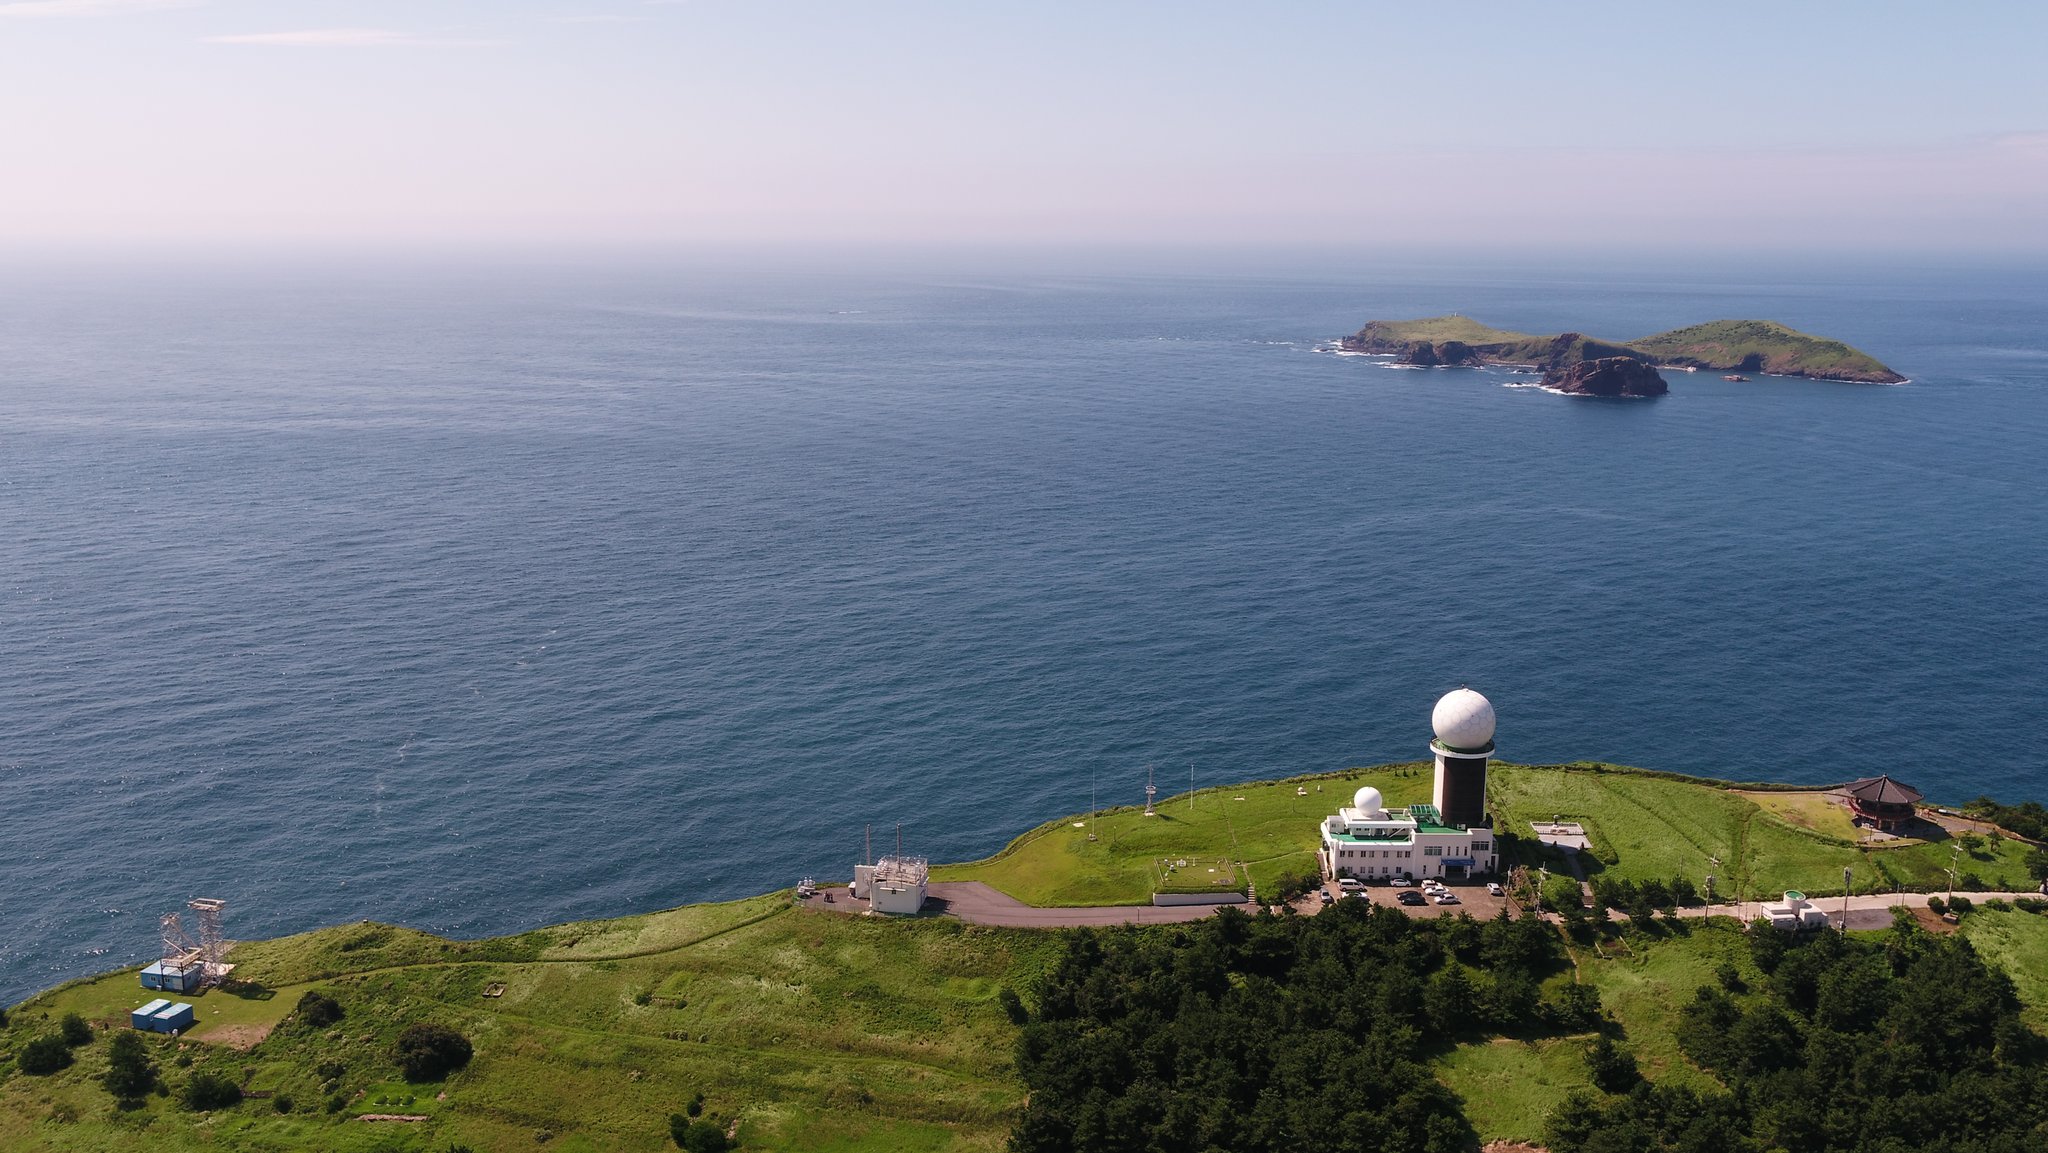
<point x="317" y="1010"/>
<point x="75" y="1030"/>
<point x="428" y="1051"/>
<point x="697" y="1136"/>
<point x="1613" y="1068"/>
<point x="43" y="1056"/>
<point x="130" y="1073"/>
<point x="206" y="1090"/>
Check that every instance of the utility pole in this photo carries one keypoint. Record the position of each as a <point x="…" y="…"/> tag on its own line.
<point x="1191" y="786"/>
<point x="1845" y="898"/>
<point x="1955" y="858"/>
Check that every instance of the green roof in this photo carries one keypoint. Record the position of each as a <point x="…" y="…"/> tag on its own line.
<point x="1429" y="820"/>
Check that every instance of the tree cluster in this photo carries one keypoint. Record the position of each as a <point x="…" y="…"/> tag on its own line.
<point x="1911" y="1042"/>
<point x="2029" y="819"/>
<point x="429" y="1052"/>
<point x="1642" y="899"/>
<point x="1255" y="1033"/>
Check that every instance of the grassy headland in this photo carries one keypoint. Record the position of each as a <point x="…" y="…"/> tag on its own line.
<point x="814" y="1031"/>
<point x="1644" y="826"/>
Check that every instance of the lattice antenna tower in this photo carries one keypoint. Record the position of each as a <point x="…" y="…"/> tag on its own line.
<point x="177" y="946"/>
<point x="213" y="943"/>
<point x="1151" y="790"/>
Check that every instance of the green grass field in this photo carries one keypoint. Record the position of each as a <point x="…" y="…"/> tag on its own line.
<point x="1272" y="829"/>
<point x="817" y="1031"/>
<point x="1510" y="1086"/>
<point x="1643" y="826"/>
<point x="2017" y="943"/>
<point x="825" y="1032"/>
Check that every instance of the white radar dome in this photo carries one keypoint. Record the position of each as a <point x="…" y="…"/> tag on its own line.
<point x="1368" y="800"/>
<point x="1463" y="720"/>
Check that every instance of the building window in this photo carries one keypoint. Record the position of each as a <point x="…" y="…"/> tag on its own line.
<point x="1482" y="846"/>
<point x="1433" y="851"/>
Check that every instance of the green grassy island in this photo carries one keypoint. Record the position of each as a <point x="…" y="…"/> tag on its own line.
<point x="798" y="1029"/>
<point x="1759" y="346"/>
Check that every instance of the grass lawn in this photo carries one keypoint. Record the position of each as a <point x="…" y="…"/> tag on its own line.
<point x="1645" y="986"/>
<point x="1272" y="829"/>
<point x="1659" y="828"/>
<point x="1510" y="1086"/>
<point x="1815" y="812"/>
<point x="817" y="1031"/>
<point x="2017" y="943"/>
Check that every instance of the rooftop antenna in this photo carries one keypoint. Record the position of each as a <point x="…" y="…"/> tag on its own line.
<point x="1150" y="791"/>
<point x="899" y="838"/>
<point x="869" y="852"/>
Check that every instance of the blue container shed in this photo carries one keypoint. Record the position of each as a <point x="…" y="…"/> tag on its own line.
<point x="172" y="977"/>
<point x="175" y="1019"/>
<point x="161" y="1016"/>
<point x="142" y="1018"/>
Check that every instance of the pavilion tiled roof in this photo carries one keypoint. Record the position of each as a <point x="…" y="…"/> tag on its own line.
<point x="1883" y="790"/>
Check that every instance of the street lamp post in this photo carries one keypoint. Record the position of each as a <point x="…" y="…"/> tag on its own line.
<point x="1845" y="898"/>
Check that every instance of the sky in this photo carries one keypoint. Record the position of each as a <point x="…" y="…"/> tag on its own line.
<point x="1867" y="127"/>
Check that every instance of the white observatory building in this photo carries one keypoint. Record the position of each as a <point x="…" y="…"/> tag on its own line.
<point x="1452" y="837"/>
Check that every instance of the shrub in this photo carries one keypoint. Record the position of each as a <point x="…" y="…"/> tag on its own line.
<point x="75" y="1031"/>
<point x="337" y="1102"/>
<point x="1613" y="1067"/>
<point x="1730" y="977"/>
<point x="130" y="1073"/>
<point x="282" y="1103"/>
<point x="2030" y="904"/>
<point x="209" y="1090"/>
<point x="1013" y="1005"/>
<point x="429" y="1052"/>
<point x="696" y="1106"/>
<point x="43" y="1056"/>
<point x="1561" y="894"/>
<point x="1938" y="905"/>
<point x="2037" y="865"/>
<point x="697" y="1136"/>
<point x="1961" y="905"/>
<point x="1997" y="904"/>
<point x="318" y="1010"/>
<point x="1683" y="892"/>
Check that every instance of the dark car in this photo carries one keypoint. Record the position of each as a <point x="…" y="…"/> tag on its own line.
<point x="1409" y="897"/>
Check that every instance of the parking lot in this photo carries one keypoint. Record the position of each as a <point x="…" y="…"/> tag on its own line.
<point x="1472" y="898"/>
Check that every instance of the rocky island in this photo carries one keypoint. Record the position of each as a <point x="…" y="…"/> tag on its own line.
<point x="1759" y="346"/>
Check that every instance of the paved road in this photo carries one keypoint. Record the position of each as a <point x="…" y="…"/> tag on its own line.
<point x="977" y="904"/>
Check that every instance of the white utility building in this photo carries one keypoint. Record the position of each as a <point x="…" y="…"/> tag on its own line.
<point x="1451" y="838"/>
<point x="893" y="884"/>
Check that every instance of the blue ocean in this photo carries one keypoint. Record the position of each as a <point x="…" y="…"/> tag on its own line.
<point x="478" y="596"/>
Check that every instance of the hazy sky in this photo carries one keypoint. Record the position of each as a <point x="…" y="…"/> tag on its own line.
<point x="1877" y="127"/>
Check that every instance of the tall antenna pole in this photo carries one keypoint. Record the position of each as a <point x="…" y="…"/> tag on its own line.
<point x="1151" y="790"/>
<point x="899" y="838"/>
<point x="868" y="853"/>
<point x="1191" y="786"/>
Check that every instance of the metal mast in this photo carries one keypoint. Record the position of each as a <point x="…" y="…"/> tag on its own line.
<point x="213" y="944"/>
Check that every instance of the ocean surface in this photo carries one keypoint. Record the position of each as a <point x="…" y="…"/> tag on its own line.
<point x="478" y="597"/>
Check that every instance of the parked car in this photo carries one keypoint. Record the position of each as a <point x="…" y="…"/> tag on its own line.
<point x="1350" y="884"/>
<point x="1400" y="882"/>
<point x="1411" y="897"/>
<point x="1493" y="888"/>
<point x="1447" y="898"/>
<point x="1324" y="894"/>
